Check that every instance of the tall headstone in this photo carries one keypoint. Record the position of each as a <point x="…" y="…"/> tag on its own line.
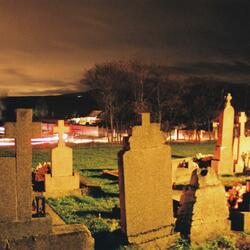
<point x="62" y="179"/>
<point x="242" y="146"/>
<point x="223" y="162"/>
<point x="15" y="181"/>
<point x="19" y="168"/>
<point x="145" y="185"/>
<point x="18" y="230"/>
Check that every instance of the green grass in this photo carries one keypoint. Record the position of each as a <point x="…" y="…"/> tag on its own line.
<point x="96" y="212"/>
<point x="219" y="243"/>
<point x="7" y="153"/>
<point x="191" y="149"/>
<point x="90" y="161"/>
<point x="109" y="186"/>
<point x="105" y="156"/>
<point x="96" y="157"/>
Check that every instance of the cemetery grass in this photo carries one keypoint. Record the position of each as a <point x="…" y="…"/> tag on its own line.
<point x="96" y="211"/>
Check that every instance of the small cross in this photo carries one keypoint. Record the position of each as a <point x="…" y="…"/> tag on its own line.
<point x="228" y="98"/>
<point x="60" y="129"/>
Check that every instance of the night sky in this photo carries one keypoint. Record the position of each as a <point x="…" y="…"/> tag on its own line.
<point x="46" y="45"/>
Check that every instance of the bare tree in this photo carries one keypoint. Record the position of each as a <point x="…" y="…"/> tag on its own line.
<point x="107" y="80"/>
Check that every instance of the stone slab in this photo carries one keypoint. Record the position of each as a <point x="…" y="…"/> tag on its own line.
<point x="61" y="185"/>
<point x="56" y="219"/>
<point x="63" y="237"/>
<point x="160" y="243"/>
<point x="152" y="235"/>
<point x="15" y="230"/>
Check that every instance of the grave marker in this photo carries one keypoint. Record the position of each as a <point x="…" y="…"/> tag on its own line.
<point x="62" y="180"/>
<point x="242" y="146"/>
<point x="223" y="158"/>
<point x="145" y="185"/>
<point x="18" y="230"/>
<point x="19" y="168"/>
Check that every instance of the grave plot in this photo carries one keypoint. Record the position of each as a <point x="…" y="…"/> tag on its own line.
<point x="96" y="210"/>
<point x="18" y="228"/>
<point x="57" y="178"/>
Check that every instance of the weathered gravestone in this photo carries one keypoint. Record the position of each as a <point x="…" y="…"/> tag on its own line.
<point x="145" y="185"/>
<point x="203" y="213"/>
<point x="62" y="179"/>
<point x="18" y="230"/>
<point x="242" y="146"/>
<point x="223" y="158"/>
<point x="15" y="180"/>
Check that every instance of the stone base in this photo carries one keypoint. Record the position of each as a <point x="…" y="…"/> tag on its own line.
<point x="199" y="236"/>
<point x="57" y="186"/>
<point x="58" y="194"/>
<point x="13" y="230"/>
<point x="146" y="237"/>
<point x="68" y="237"/>
<point x="160" y="243"/>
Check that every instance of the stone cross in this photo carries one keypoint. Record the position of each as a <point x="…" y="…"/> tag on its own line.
<point x="60" y="129"/>
<point x="228" y="99"/>
<point x="62" y="164"/>
<point x="242" y="121"/>
<point x="241" y="146"/>
<point x="23" y="130"/>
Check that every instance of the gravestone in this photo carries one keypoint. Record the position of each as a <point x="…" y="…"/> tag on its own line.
<point x="62" y="180"/>
<point x="15" y="181"/>
<point x="203" y="213"/>
<point x="242" y="146"/>
<point x="145" y="185"/>
<point x="223" y="163"/>
<point x="18" y="230"/>
<point x="210" y="213"/>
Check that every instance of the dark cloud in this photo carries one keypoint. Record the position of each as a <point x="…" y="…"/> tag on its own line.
<point x="226" y="71"/>
<point x="47" y="43"/>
